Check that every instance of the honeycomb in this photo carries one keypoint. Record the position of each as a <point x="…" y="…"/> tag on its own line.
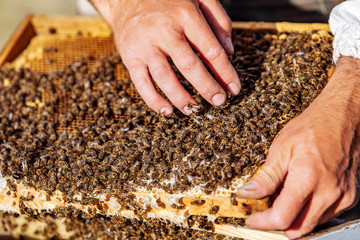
<point x="76" y="129"/>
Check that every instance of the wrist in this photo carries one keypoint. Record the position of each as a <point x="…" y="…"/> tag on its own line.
<point x="107" y="8"/>
<point x="341" y="96"/>
<point x="349" y="65"/>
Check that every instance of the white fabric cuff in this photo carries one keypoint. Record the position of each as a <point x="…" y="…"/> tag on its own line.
<point x="345" y="25"/>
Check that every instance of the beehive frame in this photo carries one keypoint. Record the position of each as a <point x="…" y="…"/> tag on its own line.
<point x="23" y="50"/>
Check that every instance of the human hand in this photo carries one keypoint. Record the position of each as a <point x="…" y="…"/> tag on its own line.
<point x="314" y="160"/>
<point x="147" y="32"/>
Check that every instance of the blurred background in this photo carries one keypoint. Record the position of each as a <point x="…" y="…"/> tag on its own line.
<point x="13" y="11"/>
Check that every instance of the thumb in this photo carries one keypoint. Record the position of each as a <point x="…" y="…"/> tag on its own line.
<point x="267" y="180"/>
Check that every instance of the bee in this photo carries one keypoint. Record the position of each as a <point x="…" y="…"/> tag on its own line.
<point x="210" y="226"/>
<point x="177" y="206"/>
<point x="160" y="203"/>
<point x="11" y="185"/>
<point x="197" y="202"/>
<point x="233" y="199"/>
<point x="27" y="198"/>
<point x="239" y="221"/>
<point x="190" y="222"/>
<point x="52" y="30"/>
<point x="248" y="209"/>
<point x="219" y="220"/>
<point x="214" y="209"/>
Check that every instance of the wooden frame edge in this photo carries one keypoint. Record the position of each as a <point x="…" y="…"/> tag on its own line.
<point x="281" y="26"/>
<point x="18" y="41"/>
<point x="27" y="29"/>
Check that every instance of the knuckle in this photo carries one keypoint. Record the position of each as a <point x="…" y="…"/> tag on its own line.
<point x="270" y="175"/>
<point x="349" y="198"/>
<point x="214" y="52"/>
<point x="226" y="24"/>
<point x="307" y="186"/>
<point x="188" y="63"/>
<point x="334" y="195"/>
<point x="305" y="229"/>
<point x="153" y="101"/>
<point x="181" y="100"/>
<point x="132" y="63"/>
<point x="158" y="71"/>
<point x="281" y="222"/>
<point x="130" y="54"/>
<point x="227" y="74"/>
<point x="310" y="177"/>
<point x="187" y="12"/>
<point x="209" y="90"/>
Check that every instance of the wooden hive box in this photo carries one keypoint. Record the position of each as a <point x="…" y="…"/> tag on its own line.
<point x="51" y="43"/>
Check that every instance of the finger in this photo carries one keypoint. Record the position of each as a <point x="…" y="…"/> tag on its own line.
<point x="167" y="81"/>
<point x="346" y="201"/>
<point x="351" y="194"/>
<point x="310" y="215"/>
<point x="213" y="54"/>
<point x="219" y="22"/>
<point x="269" y="178"/>
<point x="291" y="200"/>
<point x="143" y="83"/>
<point x="194" y="71"/>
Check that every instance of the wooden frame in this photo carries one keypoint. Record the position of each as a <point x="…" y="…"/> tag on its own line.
<point x="18" y="40"/>
<point x="41" y="25"/>
<point x="33" y="25"/>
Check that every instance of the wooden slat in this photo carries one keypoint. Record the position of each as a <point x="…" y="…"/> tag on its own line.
<point x="97" y="27"/>
<point x="72" y="25"/>
<point x="18" y="41"/>
<point x="257" y="26"/>
<point x="250" y="234"/>
<point x="243" y="209"/>
<point x="158" y="202"/>
<point x="281" y="26"/>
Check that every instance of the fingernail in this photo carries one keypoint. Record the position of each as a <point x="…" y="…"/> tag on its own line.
<point x="249" y="187"/>
<point x="166" y="111"/>
<point x="234" y="88"/>
<point x="187" y="111"/>
<point x="218" y="99"/>
<point x="229" y="44"/>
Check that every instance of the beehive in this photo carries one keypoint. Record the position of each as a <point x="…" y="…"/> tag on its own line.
<point x="79" y="144"/>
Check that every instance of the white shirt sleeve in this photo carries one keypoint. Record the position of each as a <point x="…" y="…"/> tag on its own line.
<point x="345" y="25"/>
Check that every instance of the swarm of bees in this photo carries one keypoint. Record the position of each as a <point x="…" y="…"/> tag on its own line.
<point x="83" y="131"/>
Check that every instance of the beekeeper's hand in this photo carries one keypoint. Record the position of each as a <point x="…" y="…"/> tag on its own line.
<point x="147" y="32"/>
<point x="314" y="160"/>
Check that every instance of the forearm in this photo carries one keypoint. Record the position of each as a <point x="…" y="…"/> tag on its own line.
<point x="339" y="101"/>
<point x="344" y="87"/>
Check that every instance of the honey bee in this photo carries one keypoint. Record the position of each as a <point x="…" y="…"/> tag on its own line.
<point x="197" y="202"/>
<point x="177" y="206"/>
<point x="233" y="199"/>
<point x="190" y="222"/>
<point x="219" y="220"/>
<point x="160" y="203"/>
<point x="214" y="209"/>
